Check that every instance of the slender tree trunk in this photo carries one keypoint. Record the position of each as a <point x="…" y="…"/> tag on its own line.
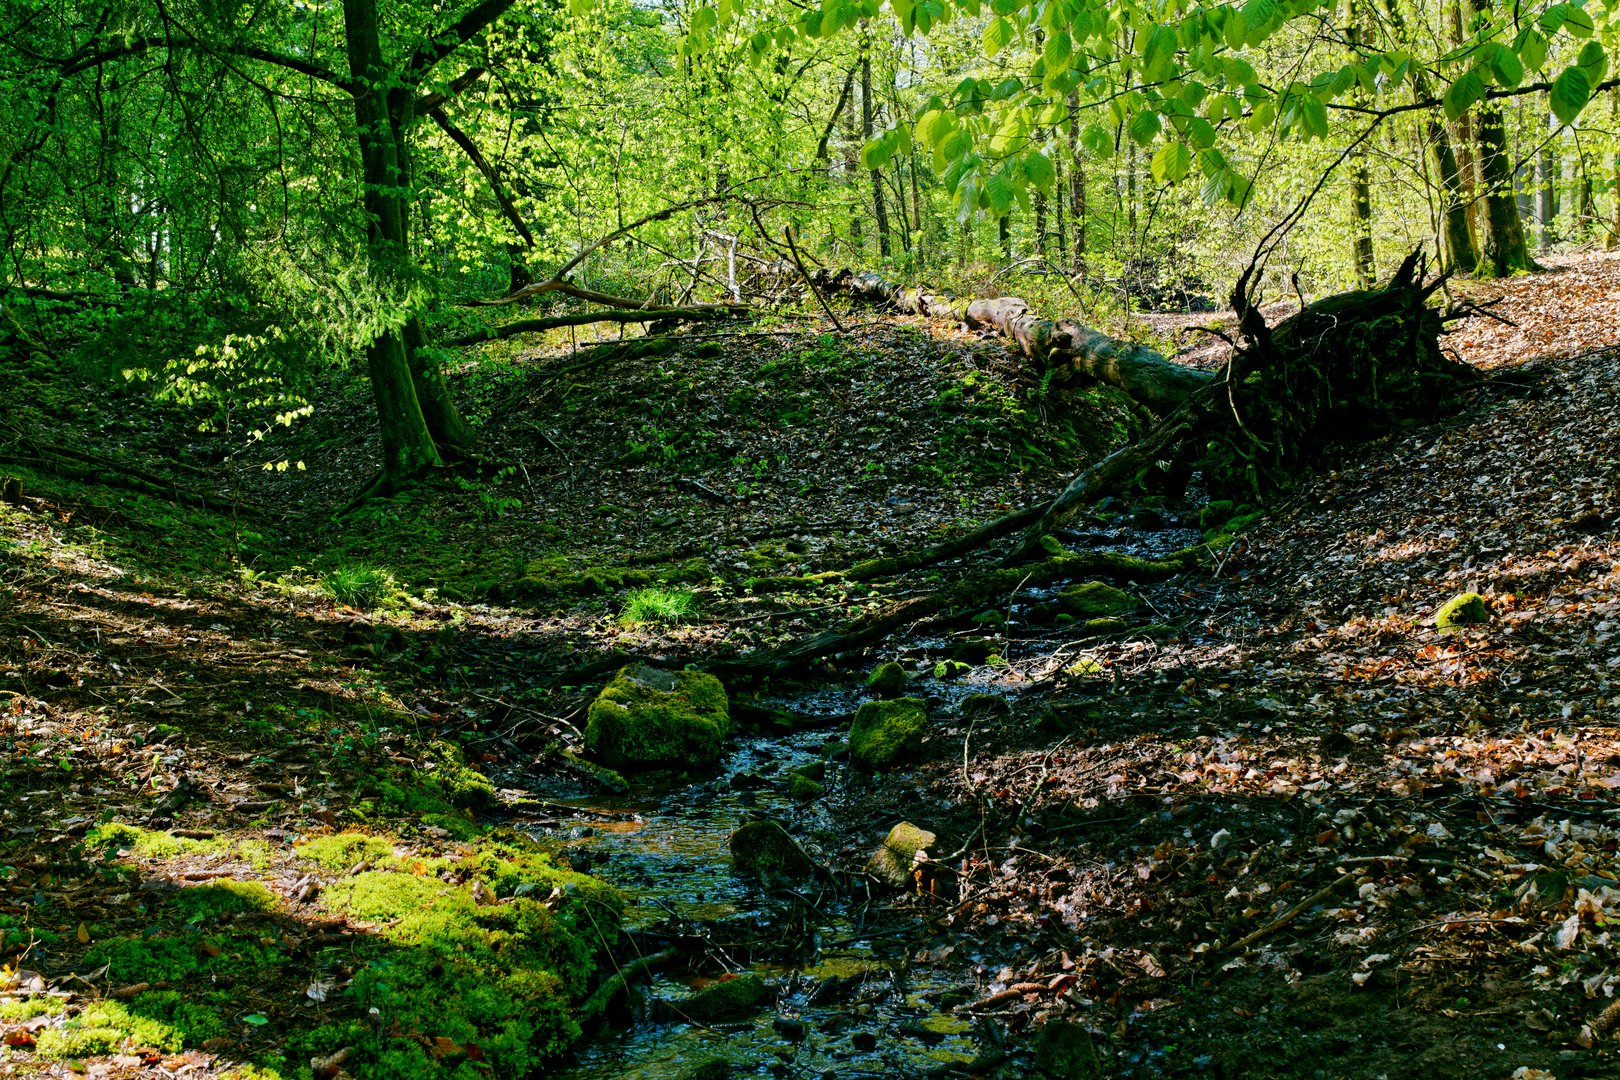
<point x="1505" y="250"/>
<point x="852" y="172"/>
<point x="1077" y="187"/>
<point x="1547" y="191"/>
<point x="916" y="210"/>
<point x="1361" y="227"/>
<point x="1060" y="207"/>
<point x="1468" y="173"/>
<point x="879" y="214"/>
<point x="1004" y="234"/>
<point x="407" y="445"/>
<point x="1614" y="229"/>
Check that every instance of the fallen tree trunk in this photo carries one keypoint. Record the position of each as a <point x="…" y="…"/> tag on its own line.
<point x="585" y="318"/>
<point x="1143" y="373"/>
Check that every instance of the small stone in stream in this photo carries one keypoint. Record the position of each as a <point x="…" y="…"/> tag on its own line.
<point x="989" y="618"/>
<point x="1464" y="609"/>
<point x="902" y="851"/>
<point x="1052" y="546"/>
<point x="1063" y="1051"/>
<point x="886" y="732"/>
<point x="815" y="770"/>
<point x="649" y="717"/>
<point x="725" y="1000"/>
<point x="790" y="1028"/>
<point x="1095" y="627"/>
<point x="763" y="849"/>
<point x="864" y="1041"/>
<point x="951" y="669"/>
<point x="1094" y="600"/>
<point x="888" y="680"/>
<point x="912" y="1029"/>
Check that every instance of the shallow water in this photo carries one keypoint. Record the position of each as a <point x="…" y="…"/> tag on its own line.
<point x="848" y="999"/>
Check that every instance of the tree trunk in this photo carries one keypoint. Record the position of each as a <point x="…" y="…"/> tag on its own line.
<point x="1614" y="229"/>
<point x="879" y="214"/>
<point x="1361" y="228"/>
<point x="1505" y="249"/>
<point x="1547" y="191"/>
<point x="408" y="446"/>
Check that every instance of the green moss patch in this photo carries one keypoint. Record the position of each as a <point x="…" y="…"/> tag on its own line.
<point x="225" y="896"/>
<point x="888" y="680"/>
<point x="157" y="1021"/>
<point x="1464" y="609"/>
<point x="647" y="717"/>
<point x="147" y="843"/>
<point x="340" y="851"/>
<point x="727" y="999"/>
<point x="886" y="732"/>
<point x="1094" y="600"/>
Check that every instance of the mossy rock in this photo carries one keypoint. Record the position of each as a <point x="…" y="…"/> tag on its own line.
<point x="1098" y="627"/>
<point x="888" y="680"/>
<point x="763" y="849"/>
<point x="1464" y="609"/>
<point x="1064" y="1051"/>
<point x="462" y="786"/>
<point x="803" y="789"/>
<point x="1216" y="512"/>
<point x="990" y="618"/>
<point x="650" y="718"/>
<point x="974" y="650"/>
<point x="951" y="669"/>
<point x="897" y="857"/>
<point x="728" y="999"/>
<point x="886" y="732"/>
<point x="985" y="705"/>
<point x="1094" y="600"/>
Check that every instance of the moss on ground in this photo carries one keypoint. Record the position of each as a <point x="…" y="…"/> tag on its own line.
<point x="1464" y="609"/>
<point x="1095" y="600"/>
<point x="226" y="896"/>
<point x="340" y="851"/>
<point x="647" y="717"/>
<point x="157" y="1020"/>
<point x="147" y="843"/>
<point x="888" y="680"/>
<point x="884" y="733"/>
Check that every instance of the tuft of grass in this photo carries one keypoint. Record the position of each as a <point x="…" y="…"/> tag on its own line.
<point x="357" y="586"/>
<point x="657" y="605"/>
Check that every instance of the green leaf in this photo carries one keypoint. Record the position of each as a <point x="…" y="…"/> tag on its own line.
<point x="876" y="153"/>
<point x="953" y="148"/>
<point x="1000" y="192"/>
<point x="1171" y="163"/>
<point x="1053" y="113"/>
<point x="1144" y="127"/>
<point x="1462" y="94"/>
<point x="1235" y="29"/>
<point x="1506" y="68"/>
<point x="1097" y="139"/>
<point x="1570" y="93"/>
<point x="1552" y="19"/>
<point x="1237" y="71"/>
<point x="1532" y="49"/>
<point x="1159" y="53"/>
<point x="1040" y="170"/>
<point x="1200" y="132"/>
<point x="1216" y="187"/>
<point x="1578" y="22"/>
<point x="1313" y="116"/>
<point x="1059" y="50"/>
<point x="1211" y="161"/>
<point x="257" y="1019"/>
<point x="1593" y="63"/>
<point x="998" y="34"/>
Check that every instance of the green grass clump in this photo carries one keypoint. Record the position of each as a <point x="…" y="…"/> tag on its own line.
<point x="339" y="851"/>
<point x="657" y="605"/>
<point x="358" y="586"/>
<point x="225" y="896"/>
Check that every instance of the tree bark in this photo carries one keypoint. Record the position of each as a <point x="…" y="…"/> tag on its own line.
<point x="879" y="214"/>
<point x="407" y="444"/>
<point x="1505" y="249"/>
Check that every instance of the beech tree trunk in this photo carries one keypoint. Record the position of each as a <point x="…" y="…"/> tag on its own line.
<point x="1505" y="249"/>
<point x="879" y="213"/>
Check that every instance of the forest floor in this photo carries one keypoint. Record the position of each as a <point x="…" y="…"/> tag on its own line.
<point x="1275" y="824"/>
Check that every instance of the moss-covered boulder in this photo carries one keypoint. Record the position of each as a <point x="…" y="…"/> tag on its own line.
<point x="1464" y="609"/>
<point x="651" y="718"/>
<point x="888" y="680"/>
<point x="1064" y="1051"/>
<point x="763" y="849"/>
<point x="886" y="732"/>
<point x="1094" y="600"/>
<point x="804" y="789"/>
<point x="894" y="862"/>
<point x="727" y="999"/>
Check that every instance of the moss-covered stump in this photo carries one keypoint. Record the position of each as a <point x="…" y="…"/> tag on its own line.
<point x="885" y="733"/>
<point x="1094" y="600"/>
<point x="728" y="999"/>
<point x="895" y="862"/>
<point x="1464" y="609"/>
<point x="651" y="718"/>
<point x="888" y="680"/>
<point x="764" y="850"/>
